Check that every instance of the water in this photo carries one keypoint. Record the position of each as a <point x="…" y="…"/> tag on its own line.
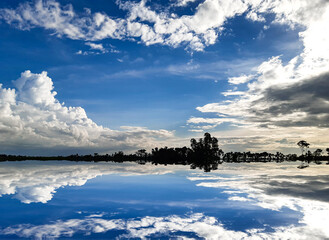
<point x="78" y="200"/>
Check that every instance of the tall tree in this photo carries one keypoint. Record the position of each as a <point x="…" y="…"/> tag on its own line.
<point x="206" y="147"/>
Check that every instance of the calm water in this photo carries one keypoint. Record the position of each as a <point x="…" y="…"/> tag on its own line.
<point x="67" y="200"/>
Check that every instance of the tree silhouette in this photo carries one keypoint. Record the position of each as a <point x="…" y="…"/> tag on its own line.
<point x="205" y="153"/>
<point x="141" y="153"/>
<point x="206" y="147"/>
<point x="303" y="145"/>
<point x="317" y="152"/>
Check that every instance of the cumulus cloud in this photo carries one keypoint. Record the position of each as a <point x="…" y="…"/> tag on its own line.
<point x="34" y="119"/>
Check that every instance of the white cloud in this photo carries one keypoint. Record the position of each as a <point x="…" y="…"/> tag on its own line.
<point x="241" y="199"/>
<point x="95" y="49"/>
<point x="149" y="26"/>
<point x="98" y="47"/>
<point x="199" y="224"/>
<point x="196" y="130"/>
<point x="34" y="119"/>
<point x="232" y="93"/>
<point x="182" y="3"/>
<point x="241" y="79"/>
<point x="210" y="120"/>
<point x="203" y="226"/>
<point x="202" y="124"/>
<point x="95" y="46"/>
<point x="252" y="15"/>
<point x="80" y="52"/>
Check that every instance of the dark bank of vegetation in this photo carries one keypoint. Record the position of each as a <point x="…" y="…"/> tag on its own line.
<point x="203" y="153"/>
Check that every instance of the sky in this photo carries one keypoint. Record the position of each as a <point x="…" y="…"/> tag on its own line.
<point x="102" y="76"/>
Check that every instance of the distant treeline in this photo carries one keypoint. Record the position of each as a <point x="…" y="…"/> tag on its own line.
<point x="204" y="154"/>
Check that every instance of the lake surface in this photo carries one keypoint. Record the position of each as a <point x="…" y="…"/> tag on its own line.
<point x="79" y="200"/>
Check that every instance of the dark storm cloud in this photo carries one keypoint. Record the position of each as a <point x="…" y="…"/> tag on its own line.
<point x="309" y="97"/>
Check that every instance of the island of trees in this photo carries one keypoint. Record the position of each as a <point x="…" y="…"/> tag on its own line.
<point x="203" y="153"/>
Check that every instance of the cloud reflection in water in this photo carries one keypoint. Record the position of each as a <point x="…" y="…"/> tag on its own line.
<point x="34" y="181"/>
<point x="278" y="186"/>
<point x="270" y="186"/>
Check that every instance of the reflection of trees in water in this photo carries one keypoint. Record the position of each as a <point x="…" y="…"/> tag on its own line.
<point x="204" y="153"/>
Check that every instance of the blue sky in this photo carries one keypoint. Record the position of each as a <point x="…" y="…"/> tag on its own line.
<point x="143" y="74"/>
